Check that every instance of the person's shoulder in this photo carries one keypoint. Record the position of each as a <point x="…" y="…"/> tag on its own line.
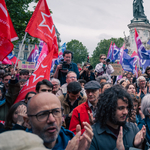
<point x="64" y="86"/>
<point x="66" y="133"/>
<point x="61" y="98"/>
<point x="81" y="106"/>
<point x="97" y="128"/>
<point x="99" y="64"/>
<point x="73" y="63"/>
<point x="131" y="126"/>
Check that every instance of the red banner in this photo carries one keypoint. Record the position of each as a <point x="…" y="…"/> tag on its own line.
<point x="42" y="72"/>
<point x="41" y="26"/>
<point x="7" y="32"/>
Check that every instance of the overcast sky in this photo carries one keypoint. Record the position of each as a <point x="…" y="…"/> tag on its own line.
<point x="90" y="21"/>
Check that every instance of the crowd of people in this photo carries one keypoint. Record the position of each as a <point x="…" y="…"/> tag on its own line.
<point x="79" y="108"/>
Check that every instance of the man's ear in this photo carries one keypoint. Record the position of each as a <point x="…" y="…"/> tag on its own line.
<point x="100" y="91"/>
<point x="26" y="122"/>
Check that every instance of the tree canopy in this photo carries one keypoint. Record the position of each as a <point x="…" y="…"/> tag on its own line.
<point x="79" y="51"/>
<point x="20" y="15"/>
<point x="103" y="47"/>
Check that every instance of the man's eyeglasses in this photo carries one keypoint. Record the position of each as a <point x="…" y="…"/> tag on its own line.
<point x="55" y="84"/>
<point x="143" y="81"/>
<point x="103" y="58"/>
<point x="44" y="115"/>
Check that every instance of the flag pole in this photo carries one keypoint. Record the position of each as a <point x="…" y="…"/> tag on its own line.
<point x="20" y="50"/>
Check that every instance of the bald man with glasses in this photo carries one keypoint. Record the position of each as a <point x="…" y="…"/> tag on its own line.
<point x="45" y="118"/>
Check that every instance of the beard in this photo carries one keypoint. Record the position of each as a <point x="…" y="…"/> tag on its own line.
<point x="115" y="121"/>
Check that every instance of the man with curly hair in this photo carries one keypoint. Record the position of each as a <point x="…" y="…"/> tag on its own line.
<point x="111" y="131"/>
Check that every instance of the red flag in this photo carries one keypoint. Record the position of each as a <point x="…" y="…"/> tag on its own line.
<point x="42" y="72"/>
<point x="14" y="59"/>
<point x="41" y="26"/>
<point x="7" y="32"/>
<point x="6" y="61"/>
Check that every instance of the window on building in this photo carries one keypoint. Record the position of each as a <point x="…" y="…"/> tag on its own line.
<point x="26" y="47"/>
<point x="30" y="48"/>
<point x="17" y="46"/>
<point x="25" y="56"/>
<point x="16" y="54"/>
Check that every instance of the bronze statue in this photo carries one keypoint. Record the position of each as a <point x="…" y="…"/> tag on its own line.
<point x="138" y="9"/>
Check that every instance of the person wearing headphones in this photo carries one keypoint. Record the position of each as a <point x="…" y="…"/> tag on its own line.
<point x="65" y="66"/>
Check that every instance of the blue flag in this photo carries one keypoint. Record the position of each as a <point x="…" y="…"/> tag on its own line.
<point x="127" y="63"/>
<point x="115" y="53"/>
<point x="10" y="56"/>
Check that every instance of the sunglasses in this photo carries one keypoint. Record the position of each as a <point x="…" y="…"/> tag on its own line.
<point x="103" y="58"/>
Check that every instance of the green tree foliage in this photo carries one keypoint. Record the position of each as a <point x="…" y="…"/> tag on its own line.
<point x="79" y="51"/>
<point x="103" y="47"/>
<point x="20" y="15"/>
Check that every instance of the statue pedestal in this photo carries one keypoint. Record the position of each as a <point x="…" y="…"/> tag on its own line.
<point x="140" y="20"/>
<point x="143" y="28"/>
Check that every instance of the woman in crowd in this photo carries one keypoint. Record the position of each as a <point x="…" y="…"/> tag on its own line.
<point x="28" y="96"/>
<point x="137" y="108"/>
<point x="105" y="86"/>
<point x="137" y="114"/>
<point x="131" y="88"/>
<point x="14" y="119"/>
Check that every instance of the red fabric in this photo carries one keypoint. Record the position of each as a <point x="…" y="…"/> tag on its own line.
<point x="134" y="54"/>
<point x="42" y="72"/>
<point x="6" y="61"/>
<point x="79" y="69"/>
<point x="41" y="26"/>
<point x="83" y="111"/>
<point x="7" y="32"/>
<point x="14" y="59"/>
<point x="3" y="122"/>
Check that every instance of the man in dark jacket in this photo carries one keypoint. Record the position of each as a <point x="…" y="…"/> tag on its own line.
<point x="71" y="100"/>
<point x="62" y="69"/>
<point x="10" y="96"/>
<point x="45" y="118"/>
<point x="111" y="131"/>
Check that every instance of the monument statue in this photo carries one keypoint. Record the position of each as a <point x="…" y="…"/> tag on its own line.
<point x="138" y="9"/>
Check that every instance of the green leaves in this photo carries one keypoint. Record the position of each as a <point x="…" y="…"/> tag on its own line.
<point x="103" y="47"/>
<point x="79" y="51"/>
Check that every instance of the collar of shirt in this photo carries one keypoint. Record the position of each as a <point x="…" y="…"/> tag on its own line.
<point x="93" y="109"/>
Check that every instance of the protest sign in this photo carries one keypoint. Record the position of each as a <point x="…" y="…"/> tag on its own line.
<point x="117" y="69"/>
<point x="26" y="65"/>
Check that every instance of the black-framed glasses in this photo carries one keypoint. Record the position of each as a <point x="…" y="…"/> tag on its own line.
<point x="44" y="115"/>
<point x="55" y="84"/>
<point x="103" y="58"/>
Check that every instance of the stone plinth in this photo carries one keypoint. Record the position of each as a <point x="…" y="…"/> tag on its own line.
<point x="143" y="29"/>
